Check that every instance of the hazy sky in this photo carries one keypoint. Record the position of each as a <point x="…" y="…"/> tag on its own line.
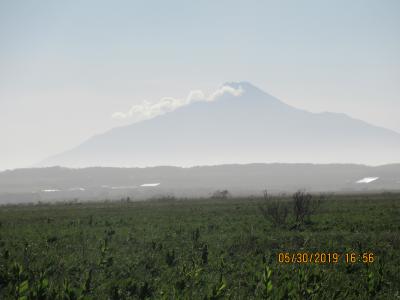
<point x="67" y="66"/>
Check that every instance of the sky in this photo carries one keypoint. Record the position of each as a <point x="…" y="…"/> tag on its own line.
<point x="71" y="69"/>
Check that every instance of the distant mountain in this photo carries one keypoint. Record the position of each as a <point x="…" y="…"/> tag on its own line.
<point x="55" y="183"/>
<point x="250" y="127"/>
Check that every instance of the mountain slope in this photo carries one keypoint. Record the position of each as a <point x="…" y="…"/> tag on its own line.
<point x="250" y="127"/>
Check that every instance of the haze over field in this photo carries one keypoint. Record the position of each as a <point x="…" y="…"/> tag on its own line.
<point x="55" y="183"/>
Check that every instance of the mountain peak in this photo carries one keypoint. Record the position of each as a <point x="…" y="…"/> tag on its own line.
<point x="244" y="124"/>
<point x="238" y="84"/>
<point x="243" y="85"/>
<point x="249" y="91"/>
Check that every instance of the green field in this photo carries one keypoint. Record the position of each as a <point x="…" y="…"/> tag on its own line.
<point x="199" y="249"/>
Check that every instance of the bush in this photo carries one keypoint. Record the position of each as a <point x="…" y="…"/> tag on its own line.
<point x="275" y="211"/>
<point x="303" y="206"/>
<point x="221" y="195"/>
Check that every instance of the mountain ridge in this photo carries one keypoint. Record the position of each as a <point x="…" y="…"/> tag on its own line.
<point x="244" y="128"/>
<point x="100" y="183"/>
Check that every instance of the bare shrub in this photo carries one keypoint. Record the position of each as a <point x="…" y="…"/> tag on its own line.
<point x="304" y="206"/>
<point x="275" y="211"/>
<point x="265" y="195"/>
<point x="224" y="194"/>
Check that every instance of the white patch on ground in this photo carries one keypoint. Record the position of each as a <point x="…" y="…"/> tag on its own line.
<point x="150" y="184"/>
<point x="367" y="180"/>
<point x="50" y="190"/>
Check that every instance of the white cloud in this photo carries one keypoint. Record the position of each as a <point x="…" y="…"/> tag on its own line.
<point x="226" y="89"/>
<point x="148" y="110"/>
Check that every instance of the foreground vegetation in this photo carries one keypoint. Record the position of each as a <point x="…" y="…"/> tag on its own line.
<point x="200" y="249"/>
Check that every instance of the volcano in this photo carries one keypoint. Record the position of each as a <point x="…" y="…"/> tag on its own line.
<point x="249" y="126"/>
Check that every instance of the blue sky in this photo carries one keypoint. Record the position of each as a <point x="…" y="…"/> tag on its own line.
<point x="67" y="66"/>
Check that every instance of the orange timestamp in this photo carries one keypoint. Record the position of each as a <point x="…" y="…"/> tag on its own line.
<point x="325" y="257"/>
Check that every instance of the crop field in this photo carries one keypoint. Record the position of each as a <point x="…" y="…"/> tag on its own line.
<point x="330" y="247"/>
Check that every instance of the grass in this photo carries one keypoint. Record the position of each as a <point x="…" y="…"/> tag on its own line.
<point x="198" y="249"/>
